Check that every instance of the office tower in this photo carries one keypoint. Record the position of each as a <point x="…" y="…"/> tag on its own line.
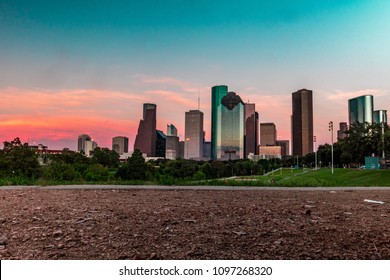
<point x="171" y="130"/>
<point x="207" y="150"/>
<point x="285" y="147"/>
<point x="81" y="142"/>
<point x="181" y="149"/>
<point x="145" y="141"/>
<point x="161" y="143"/>
<point x="172" y="143"/>
<point x="193" y="147"/>
<point x="360" y="109"/>
<point x="227" y="124"/>
<point x="267" y="134"/>
<point x="120" y="144"/>
<point x="380" y="116"/>
<point x="90" y="145"/>
<point x="343" y="127"/>
<point x="302" y="122"/>
<point x="251" y="130"/>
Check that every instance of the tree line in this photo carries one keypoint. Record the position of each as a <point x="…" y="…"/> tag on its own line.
<point x="19" y="164"/>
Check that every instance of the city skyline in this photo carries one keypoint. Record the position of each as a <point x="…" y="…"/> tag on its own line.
<point x="70" y="69"/>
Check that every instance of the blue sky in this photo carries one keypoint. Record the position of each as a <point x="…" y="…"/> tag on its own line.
<point x="165" y="51"/>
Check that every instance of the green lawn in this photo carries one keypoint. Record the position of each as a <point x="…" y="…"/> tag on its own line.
<point x="312" y="178"/>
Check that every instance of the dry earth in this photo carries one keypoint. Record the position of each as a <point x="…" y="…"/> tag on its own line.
<point x="190" y="224"/>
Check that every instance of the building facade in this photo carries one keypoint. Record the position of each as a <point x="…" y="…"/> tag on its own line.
<point x="227" y="124"/>
<point x="89" y="147"/>
<point x="268" y="134"/>
<point x="302" y="122"/>
<point x="172" y="143"/>
<point x="171" y="130"/>
<point x="285" y="147"/>
<point x="361" y="109"/>
<point x="145" y="141"/>
<point x="120" y="144"/>
<point x="251" y="129"/>
<point x="161" y="144"/>
<point x="193" y="147"/>
<point x="81" y="142"/>
<point x="343" y="127"/>
<point x="380" y="116"/>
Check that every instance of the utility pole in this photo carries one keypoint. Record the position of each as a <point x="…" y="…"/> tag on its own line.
<point x="315" y="148"/>
<point x="331" y="131"/>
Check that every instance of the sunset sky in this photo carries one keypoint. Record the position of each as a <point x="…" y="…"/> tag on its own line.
<point x="75" y="67"/>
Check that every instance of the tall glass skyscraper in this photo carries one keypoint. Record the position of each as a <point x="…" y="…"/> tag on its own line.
<point x="380" y="116"/>
<point x="360" y="109"/>
<point x="227" y="124"/>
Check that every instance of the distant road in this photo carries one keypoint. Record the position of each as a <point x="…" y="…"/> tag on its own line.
<point x="211" y="188"/>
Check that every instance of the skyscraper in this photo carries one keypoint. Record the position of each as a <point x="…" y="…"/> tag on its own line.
<point x="81" y="142"/>
<point x="145" y="141"/>
<point x="171" y="130"/>
<point x="193" y="147"/>
<point x="120" y="144"/>
<point x="90" y="145"/>
<point x="343" y="127"/>
<point x="251" y="129"/>
<point x="380" y="116"/>
<point x="161" y="144"/>
<point x="227" y="124"/>
<point x="172" y="143"/>
<point x="302" y="122"/>
<point x="267" y="134"/>
<point x="360" y="109"/>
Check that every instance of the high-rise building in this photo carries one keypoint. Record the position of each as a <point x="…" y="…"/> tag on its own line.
<point x="145" y="141"/>
<point x="360" y="109"/>
<point x="172" y="143"/>
<point x="81" y="142"/>
<point x="193" y="147"/>
<point x="120" y="144"/>
<point x="343" y="127"/>
<point x="380" y="116"/>
<point x="227" y="124"/>
<point x="267" y="134"/>
<point x="302" y="122"/>
<point x="251" y="129"/>
<point x="285" y="147"/>
<point x="161" y="144"/>
<point x="206" y="150"/>
<point x="90" y="145"/>
<point x="171" y="130"/>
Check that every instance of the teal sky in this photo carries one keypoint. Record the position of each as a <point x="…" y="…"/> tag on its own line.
<point x="263" y="50"/>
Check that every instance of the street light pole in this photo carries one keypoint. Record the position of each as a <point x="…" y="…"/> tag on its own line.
<point x="383" y="138"/>
<point x="331" y="131"/>
<point x="315" y="148"/>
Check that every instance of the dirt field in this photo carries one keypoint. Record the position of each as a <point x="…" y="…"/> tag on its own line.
<point x="188" y="224"/>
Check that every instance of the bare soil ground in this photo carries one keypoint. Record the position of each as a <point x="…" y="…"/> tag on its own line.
<point x="189" y="224"/>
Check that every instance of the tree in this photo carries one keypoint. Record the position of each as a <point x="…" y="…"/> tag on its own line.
<point x="105" y="157"/>
<point x="17" y="159"/>
<point x="135" y="167"/>
<point x="96" y="172"/>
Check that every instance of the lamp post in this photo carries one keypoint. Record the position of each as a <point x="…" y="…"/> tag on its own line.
<point x="315" y="148"/>
<point x="331" y="132"/>
<point x="383" y="139"/>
